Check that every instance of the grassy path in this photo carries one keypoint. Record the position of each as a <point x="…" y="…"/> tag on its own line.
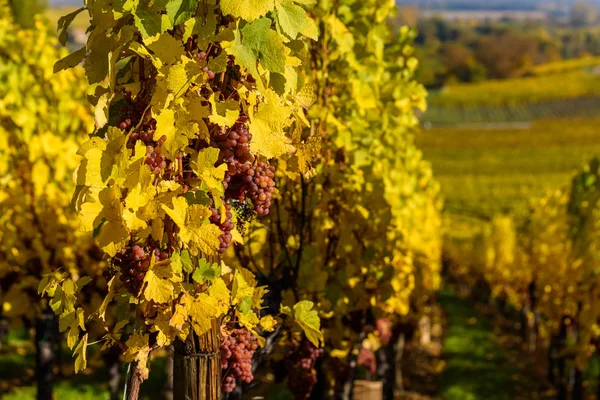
<point x="476" y="364"/>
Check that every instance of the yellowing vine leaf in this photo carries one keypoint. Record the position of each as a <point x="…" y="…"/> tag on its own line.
<point x="158" y="286"/>
<point x="80" y="354"/>
<point x="309" y="321"/>
<point x="247" y="9"/>
<point x="267" y="126"/>
<point x="203" y="164"/>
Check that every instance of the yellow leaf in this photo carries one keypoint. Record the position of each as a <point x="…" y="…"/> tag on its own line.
<point x="165" y="47"/>
<point x="224" y="113"/>
<point x="175" y="141"/>
<point x="136" y="343"/>
<point x="247" y="9"/>
<point x="267" y="126"/>
<point x="268" y="323"/>
<point x="309" y="321"/>
<point x="243" y="285"/>
<point x="179" y="211"/>
<point x="204" y="166"/>
<point x="80" y="353"/>
<point x="158" y="286"/>
<point x="198" y="233"/>
<point x="220" y="294"/>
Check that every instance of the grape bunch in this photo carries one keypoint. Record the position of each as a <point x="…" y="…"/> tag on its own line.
<point x="133" y="263"/>
<point x="300" y="361"/>
<point x="234" y="143"/>
<point x="366" y="358"/>
<point x="384" y="329"/>
<point x="145" y="134"/>
<point x="226" y="226"/>
<point x="253" y="180"/>
<point x="154" y="157"/>
<point x="131" y="112"/>
<point x="236" y="358"/>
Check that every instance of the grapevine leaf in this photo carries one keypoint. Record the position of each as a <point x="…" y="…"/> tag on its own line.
<point x="310" y="29"/>
<point x="203" y="27"/>
<point x="208" y="306"/>
<point x="201" y="236"/>
<point x="218" y="64"/>
<point x="64" y="298"/>
<point x="186" y="260"/>
<point x="101" y="111"/>
<point x="80" y="353"/>
<point x="178" y="212"/>
<point x="149" y="19"/>
<point x="245" y="306"/>
<point x="221" y="296"/>
<point x="63" y="24"/>
<point x="136" y="344"/>
<point x="168" y="49"/>
<point x="309" y="321"/>
<point x="250" y="321"/>
<point x="291" y="18"/>
<point x="224" y="113"/>
<point x="247" y="9"/>
<point x="205" y="271"/>
<point x="267" y="126"/>
<point x="243" y="285"/>
<point x="204" y="166"/>
<point x="158" y="286"/>
<point x="165" y="126"/>
<point x="109" y="296"/>
<point x="166" y="333"/>
<point x="244" y="56"/>
<point x="259" y="37"/>
<point x="180" y="75"/>
<point x="268" y="323"/>
<point x="70" y="61"/>
<point x="180" y="11"/>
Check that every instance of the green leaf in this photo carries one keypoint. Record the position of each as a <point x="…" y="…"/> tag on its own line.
<point x="186" y="261"/>
<point x="244" y="57"/>
<point x="309" y="321"/>
<point x="206" y="271"/>
<point x="259" y="37"/>
<point x="245" y="305"/>
<point x="180" y="11"/>
<point x="291" y="18"/>
<point x="148" y="19"/>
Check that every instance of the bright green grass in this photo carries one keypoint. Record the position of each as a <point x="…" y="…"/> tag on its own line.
<point x="64" y="390"/>
<point x="17" y="366"/>
<point x="519" y="90"/>
<point x="476" y="368"/>
<point x="485" y="172"/>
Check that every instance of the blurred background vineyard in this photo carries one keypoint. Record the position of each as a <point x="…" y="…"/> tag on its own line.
<point x="512" y="134"/>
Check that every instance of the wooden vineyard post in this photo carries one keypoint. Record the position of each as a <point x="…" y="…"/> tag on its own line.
<point x="197" y="366"/>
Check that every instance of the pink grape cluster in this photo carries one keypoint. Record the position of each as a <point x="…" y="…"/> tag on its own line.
<point x="366" y="358"/>
<point x="300" y="362"/>
<point x="236" y="358"/>
<point x="154" y="157"/>
<point x="256" y="181"/>
<point x="133" y="263"/>
<point x="226" y="226"/>
<point x="234" y="143"/>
